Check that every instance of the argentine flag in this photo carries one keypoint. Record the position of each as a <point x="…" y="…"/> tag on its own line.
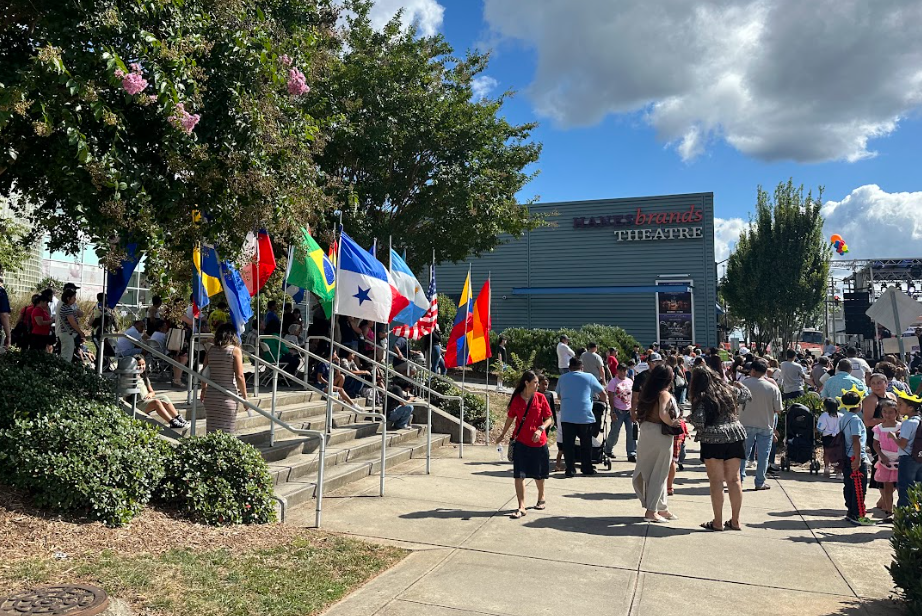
<point x="364" y="287"/>
<point x="410" y="288"/>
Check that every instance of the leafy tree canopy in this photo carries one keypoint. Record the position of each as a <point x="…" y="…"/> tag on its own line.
<point x="123" y="117"/>
<point x="775" y="279"/>
<point x="411" y="152"/>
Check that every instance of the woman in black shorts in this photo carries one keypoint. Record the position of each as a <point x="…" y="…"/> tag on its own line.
<point x="715" y="415"/>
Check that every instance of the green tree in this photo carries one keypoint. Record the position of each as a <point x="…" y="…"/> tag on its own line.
<point x="14" y="245"/>
<point x="120" y="117"/>
<point x="410" y="151"/>
<point x="775" y="279"/>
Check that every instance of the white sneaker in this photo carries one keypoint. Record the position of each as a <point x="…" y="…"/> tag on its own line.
<point x="750" y="464"/>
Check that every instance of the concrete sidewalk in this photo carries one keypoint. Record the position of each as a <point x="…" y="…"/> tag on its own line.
<point x="590" y="553"/>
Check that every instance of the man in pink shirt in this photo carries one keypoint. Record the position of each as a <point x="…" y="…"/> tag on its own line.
<point x="619" y="396"/>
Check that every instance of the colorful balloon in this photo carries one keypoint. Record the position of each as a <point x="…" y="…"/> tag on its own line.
<point x="835" y="237"/>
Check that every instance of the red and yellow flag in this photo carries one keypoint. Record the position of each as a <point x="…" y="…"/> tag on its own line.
<point x="478" y="337"/>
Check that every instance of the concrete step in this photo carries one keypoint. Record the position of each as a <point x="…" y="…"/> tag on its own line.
<point x="345" y="428"/>
<point x="298" y="465"/>
<point x="304" y="489"/>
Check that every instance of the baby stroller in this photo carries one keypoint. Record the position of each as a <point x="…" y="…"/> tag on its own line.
<point x="600" y="411"/>
<point x="799" y="445"/>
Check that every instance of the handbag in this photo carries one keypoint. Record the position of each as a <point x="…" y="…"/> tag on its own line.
<point x="670" y="430"/>
<point x="175" y="339"/>
<point x="510" y="455"/>
<point x="680" y="381"/>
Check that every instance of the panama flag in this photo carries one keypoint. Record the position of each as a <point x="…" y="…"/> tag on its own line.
<point x="410" y="288"/>
<point x="364" y="287"/>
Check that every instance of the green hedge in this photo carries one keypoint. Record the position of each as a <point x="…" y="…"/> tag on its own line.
<point x="906" y="568"/>
<point x="543" y="343"/>
<point x="86" y="457"/>
<point x="475" y="406"/>
<point x="218" y="479"/>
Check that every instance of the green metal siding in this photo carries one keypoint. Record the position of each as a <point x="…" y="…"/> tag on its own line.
<point x="560" y="255"/>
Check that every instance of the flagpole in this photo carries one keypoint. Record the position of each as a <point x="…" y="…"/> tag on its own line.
<point x="429" y="382"/>
<point x="278" y="352"/>
<point x="256" y="367"/>
<point x="192" y="383"/>
<point x="374" y="350"/>
<point x="467" y="356"/>
<point x="101" y="349"/>
<point x="487" y="342"/>
<point x="328" y="421"/>
<point x="387" y="339"/>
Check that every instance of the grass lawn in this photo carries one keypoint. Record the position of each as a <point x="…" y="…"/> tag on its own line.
<point x="164" y="565"/>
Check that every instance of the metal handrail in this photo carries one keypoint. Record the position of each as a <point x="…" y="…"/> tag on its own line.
<point x="248" y="405"/>
<point x="328" y="422"/>
<point x="390" y="369"/>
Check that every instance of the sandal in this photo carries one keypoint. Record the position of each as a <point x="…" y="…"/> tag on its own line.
<point x="519" y="513"/>
<point x="729" y="526"/>
<point x="667" y="516"/>
<point x="655" y="518"/>
<point x="710" y="526"/>
<point x="541" y="506"/>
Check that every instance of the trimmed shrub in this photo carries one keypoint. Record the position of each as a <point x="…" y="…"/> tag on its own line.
<point x="85" y="457"/>
<point x="218" y="479"/>
<point x="34" y="382"/>
<point x="475" y="406"/>
<point x="543" y="342"/>
<point x="906" y="568"/>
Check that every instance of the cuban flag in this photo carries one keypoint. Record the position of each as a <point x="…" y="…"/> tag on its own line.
<point x="410" y="288"/>
<point x="364" y="287"/>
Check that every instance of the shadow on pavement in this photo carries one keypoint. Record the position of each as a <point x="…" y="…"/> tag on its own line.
<point x="849" y="539"/>
<point x="871" y="607"/>
<point x="449" y="514"/>
<point x="814" y="513"/>
<point x="601" y="496"/>
<point x="602" y="527"/>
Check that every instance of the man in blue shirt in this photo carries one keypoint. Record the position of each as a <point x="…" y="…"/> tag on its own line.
<point x="910" y="469"/>
<point x="576" y="390"/>
<point x="841" y="381"/>
<point x="855" y="435"/>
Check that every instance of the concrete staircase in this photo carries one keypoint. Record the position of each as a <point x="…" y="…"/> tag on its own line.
<point x="353" y="448"/>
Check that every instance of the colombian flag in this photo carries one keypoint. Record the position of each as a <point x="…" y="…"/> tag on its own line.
<point x="478" y="336"/>
<point x="206" y="276"/>
<point x="312" y="270"/>
<point x="457" y="350"/>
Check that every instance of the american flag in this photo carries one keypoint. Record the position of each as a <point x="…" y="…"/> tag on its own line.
<point x="427" y="322"/>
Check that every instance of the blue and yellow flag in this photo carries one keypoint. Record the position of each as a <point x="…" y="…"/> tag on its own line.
<point x="312" y="270"/>
<point x="208" y="268"/>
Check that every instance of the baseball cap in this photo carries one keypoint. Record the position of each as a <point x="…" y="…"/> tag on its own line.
<point x="70" y="285"/>
<point x="654" y="357"/>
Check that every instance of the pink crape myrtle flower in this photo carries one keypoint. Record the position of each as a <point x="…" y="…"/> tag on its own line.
<point x="285" y="60"/>
<point x="297" y="83"/>
<point x="184" y="120"/>
<point x="133" y="82"/>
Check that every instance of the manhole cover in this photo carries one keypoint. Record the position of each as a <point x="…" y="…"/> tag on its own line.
<point x="61" y="600"/>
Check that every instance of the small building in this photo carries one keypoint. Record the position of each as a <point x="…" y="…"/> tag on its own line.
<point x="645" y="264"/>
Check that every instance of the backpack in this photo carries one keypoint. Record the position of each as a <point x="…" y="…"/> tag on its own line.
<point x="840" y="452"/>
<point x="916" y="452"/>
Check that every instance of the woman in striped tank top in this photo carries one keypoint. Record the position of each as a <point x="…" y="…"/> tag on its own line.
<point x="225" y="363"/>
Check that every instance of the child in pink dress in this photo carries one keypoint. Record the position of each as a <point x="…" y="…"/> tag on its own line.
<point x="887" y="454"/>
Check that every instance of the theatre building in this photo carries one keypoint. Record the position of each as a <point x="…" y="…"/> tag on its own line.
<point x="645" y="264"/>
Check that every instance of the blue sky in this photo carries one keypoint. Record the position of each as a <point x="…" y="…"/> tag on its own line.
<point x="621" y="116"/>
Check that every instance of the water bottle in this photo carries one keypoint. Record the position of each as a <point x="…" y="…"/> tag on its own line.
<point x="499" y="450"/>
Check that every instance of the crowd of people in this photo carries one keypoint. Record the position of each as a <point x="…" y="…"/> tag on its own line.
<point x="867" y="422"/>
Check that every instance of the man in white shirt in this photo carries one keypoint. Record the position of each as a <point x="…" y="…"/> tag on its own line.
<point x="125" y="347"/>
<point x="564" y="355"/>
<point x="860" y="368"/>
<point x="792" y="377"/>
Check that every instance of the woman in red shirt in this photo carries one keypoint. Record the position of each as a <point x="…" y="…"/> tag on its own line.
<point x="532" y="416"/>
<point x="40" y="335"/>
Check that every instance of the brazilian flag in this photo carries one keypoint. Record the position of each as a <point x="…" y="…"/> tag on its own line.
<point x="312" y="270"/>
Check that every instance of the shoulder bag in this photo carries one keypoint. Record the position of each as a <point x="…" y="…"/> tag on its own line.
<point x="511" y="453"/>
<point x="679" y="382"/>
<point x="670" y="430"/>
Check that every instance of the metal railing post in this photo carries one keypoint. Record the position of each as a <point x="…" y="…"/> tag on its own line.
<point x="461" y="430"/>
<point x="275" y="389"/>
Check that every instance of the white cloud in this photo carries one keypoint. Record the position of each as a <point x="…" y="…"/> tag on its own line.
<point x="726" y="235"/>
<point x="776" y="79"/>
<point x="427" y="15"/>
<point x="482" y="85"/>
<point x="875" y="223"/>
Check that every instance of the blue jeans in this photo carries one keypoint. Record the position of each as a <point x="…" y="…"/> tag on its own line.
<point x="761" y="440"/>
<point x="621" y="418"/>
<point x="400" y="416"/>
<point x="563" y="371"/>
<point x="909" y="473"/>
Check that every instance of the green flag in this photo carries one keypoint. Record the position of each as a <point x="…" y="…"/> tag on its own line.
<point x="312" y="270"/>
